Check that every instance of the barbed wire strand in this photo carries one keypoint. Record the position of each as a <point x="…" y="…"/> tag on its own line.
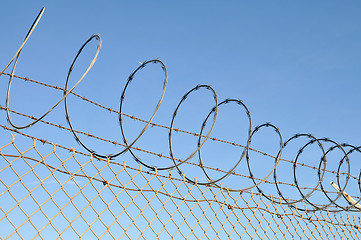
<point x="159" y="125"/>
<point x="213" y="112"/>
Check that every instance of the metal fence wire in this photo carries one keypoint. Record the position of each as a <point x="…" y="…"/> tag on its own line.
<point x="50" y="191"/>
<point x="57" y="193"/>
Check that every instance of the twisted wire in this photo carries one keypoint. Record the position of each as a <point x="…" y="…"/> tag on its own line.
<point x="161" y="126"/>
<point x="129" y="145"/>
<point x="138" y="149"/>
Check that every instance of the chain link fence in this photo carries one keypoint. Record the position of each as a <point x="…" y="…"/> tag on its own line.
<point x="49" y="191"/>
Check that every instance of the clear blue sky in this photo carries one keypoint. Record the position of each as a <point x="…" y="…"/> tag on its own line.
<point x="295" y="64"/>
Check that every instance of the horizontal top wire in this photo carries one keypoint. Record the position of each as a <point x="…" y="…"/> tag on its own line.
<point x="152" y="124"/>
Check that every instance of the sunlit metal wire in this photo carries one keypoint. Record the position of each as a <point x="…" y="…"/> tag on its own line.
<point x="136" y="203"/>
<point x="128" y="144"/>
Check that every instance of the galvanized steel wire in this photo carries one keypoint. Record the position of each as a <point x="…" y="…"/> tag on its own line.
<point x="202" y="138"/>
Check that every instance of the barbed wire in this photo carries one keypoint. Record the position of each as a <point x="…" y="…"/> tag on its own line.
<point x="153" y="124"/>
<point x="202" y="139"/>
<point x="137" y="149"/>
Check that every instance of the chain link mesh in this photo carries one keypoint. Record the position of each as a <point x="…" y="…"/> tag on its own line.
<point x="50" y="192"/>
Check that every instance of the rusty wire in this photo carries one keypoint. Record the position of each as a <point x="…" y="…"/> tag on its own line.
<point x="245" y="213"/>
<point x="162" y="126"/>
<point x="128" y="147"/>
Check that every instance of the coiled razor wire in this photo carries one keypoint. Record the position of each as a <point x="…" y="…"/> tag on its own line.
<point x="305" y="198"/>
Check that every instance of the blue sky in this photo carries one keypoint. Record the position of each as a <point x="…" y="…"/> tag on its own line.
<point x="293" y="64"/>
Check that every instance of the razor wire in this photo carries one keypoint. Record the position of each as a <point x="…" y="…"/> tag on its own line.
<point x="213" y="113"/>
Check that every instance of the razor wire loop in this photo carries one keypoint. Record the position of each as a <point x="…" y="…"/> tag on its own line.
<point x="303" y="197"/>
<point x="323" y="159"/>
<point x="320" y="175"/>
<point x="214" y="111"/>
<point x="176" y="165"/>
<point x="345" y="157"/>
<point x="66" y="91"/>
<point x="245" y="150"/>
<point x="164" y="68"/>
<point x="33" y="26"/>
<point x="16" y="57"/>
<point x="353" y="148"/>
<point x="277" y="158"/>
<point x="130" y="78"/>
